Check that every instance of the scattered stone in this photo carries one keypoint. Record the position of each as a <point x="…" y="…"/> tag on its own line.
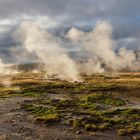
<point x="136" y="137"/>
<point x="78" y="132"/>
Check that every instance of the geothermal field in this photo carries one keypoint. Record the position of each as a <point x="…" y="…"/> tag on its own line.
<point x="90" y="92"/>
<point x="101" y="106"/>
<point x="69" y="69"/>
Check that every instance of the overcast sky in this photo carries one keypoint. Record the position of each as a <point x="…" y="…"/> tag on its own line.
<point x="61" y="14"/>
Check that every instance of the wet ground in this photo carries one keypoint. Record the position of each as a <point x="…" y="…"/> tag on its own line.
<point x="16" y="124"/>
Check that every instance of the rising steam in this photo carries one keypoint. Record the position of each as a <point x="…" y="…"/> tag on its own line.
<point x="98" y="45"/>
<point x="101" y="50"/>
<point x="48" y="48"/>
<point x="6" y="70"/>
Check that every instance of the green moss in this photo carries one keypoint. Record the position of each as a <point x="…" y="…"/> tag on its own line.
<point x="136" y="124"/>
<point x="48" y="118"/>
<point x="117" y="121"/>
<point x="37" y="110"/>
<point x="94" y="98"/>
<point x="45" y="115"/>
<point x="114" y="112"/>
<point x="114" y="102"/>
<point x="91" y="127"/>
<point x="131" y="111"/>
<point x="103" y="98"/>
<point x="31" y="94"/>
<point x="87" y="105"/>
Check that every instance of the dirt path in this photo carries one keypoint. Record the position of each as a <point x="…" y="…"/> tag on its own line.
<point x="16" y="124"/>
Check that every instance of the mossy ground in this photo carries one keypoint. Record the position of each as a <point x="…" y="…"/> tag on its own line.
<point x="89" y="112"/>
<point x="98" y="103"/>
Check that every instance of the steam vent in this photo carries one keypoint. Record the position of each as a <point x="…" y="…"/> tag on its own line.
<point x="69" y="70"/>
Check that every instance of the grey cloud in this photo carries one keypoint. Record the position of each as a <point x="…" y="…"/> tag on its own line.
<point x="123" y="14"/>
<point x="71" y="8"/>
<point x="53" y="8"/>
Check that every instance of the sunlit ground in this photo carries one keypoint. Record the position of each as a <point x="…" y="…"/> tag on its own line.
<point x="101" y="103"/>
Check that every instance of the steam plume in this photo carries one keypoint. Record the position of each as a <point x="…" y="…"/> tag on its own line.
<point x="47" y="47"/>
<point x="98" y="45"/>
<point x="101" y="50"/>
<point x="5" y="69"/>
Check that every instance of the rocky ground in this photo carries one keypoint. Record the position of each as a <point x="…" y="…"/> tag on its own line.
<point x="19" y="122"/>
